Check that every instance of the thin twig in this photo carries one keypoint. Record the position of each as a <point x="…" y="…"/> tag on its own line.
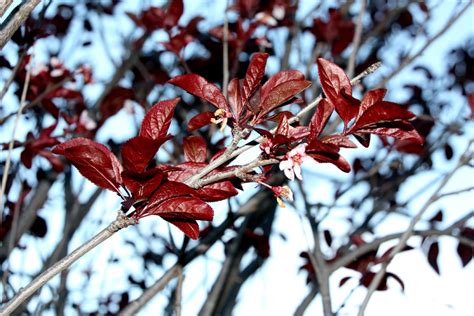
<point x="12" y="140"/>
<point x="375" y="244"/>
<point x="228" y="154"/>
<point x="300" y="310"/>
<point x="179" y="292"/>
<point x="371" y="69"/>
<point x="121" y="222"/>
<point x="460" y="191"/>
<point x="356" y="40"/>
<point x="409" y="231"/>
<point x="12" y="75"/>
<point x="11" y="243"/>
<point x="318" y="261"/>
<point x="236" y="172"/>
<point x="225" y="55"/>
<point x="136" y="305"/>
<point x="39" y="98"/>
<point x="428" y="43"/>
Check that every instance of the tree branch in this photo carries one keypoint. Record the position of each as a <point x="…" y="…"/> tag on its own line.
<point x="406" y="235"/>
<point x="14" y="22"/>
<point x="356" y="40"/>
<point x="428" y="43"/>
<point x="318" y="261"/>
<point x="136" y="305"/>
<point x="121" y="222"/>
<point x="12" y="141"/>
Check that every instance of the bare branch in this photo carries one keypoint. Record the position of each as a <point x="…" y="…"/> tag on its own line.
<point x="407" y="61"/>
<point x="136" y="305"/>
<point x="225" y="54"/>
<point x="14" y="22"/>
<point x="409" y="231"/>
<point x="356" y="40"/>
<point x="12" y="140"/>
<point x="12" y="76"/>
<point x="179" y="292"/>
<point x="236" y="172"/>
<point x="371" y="69"/>
<point x="370" y="246"/>
<point x="121" y="222"/>
<point x="318" y="261"/>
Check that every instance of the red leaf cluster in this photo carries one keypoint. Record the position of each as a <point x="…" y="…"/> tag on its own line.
<point x="151" y="189"/>
<point x="36" y="146"/>
<point x="249" y="102"/>
<point x="337" y="31"/>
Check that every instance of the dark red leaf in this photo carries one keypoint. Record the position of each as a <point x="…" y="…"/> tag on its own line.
<point x="169" y="189"/>
<point x="277" y="117"/>
<point x="283" y="127"/>
<point x="340" y="162"/>
<point x="281" y="93"/>
<point x="382" y="112"/>
<point x="200" y="120"/>
<point x="195" y="149"/>
<point x="397" y="278"/>
<point x="188" y="226"/>
<point x="470" y="99"/>
<point x="371" y="98"/>
<point x="254" y="74"/>
<point x="143" y="186"/>
<point x="465" y="253"/>
<point x="448" y="151"/>
<point x="322" y="152"/>
<point x="333" y="79"/>
<point x="183" y="207"/>
<point x="158" y="119"/>
<point x="320" y="119"/>
<point x="438" y="217"/>
<point x="364" y="139"/>
<point x="137" y="152"/>
<point x="344" y="280"/>
<point x="174" y="12"/>
<point x="217" y="191"/>
<point x="357" y="240"/>
<point x="185" y="170"/>
<point x="279" y="78"/>
<point x="236" y="102"/>
<point x="407" y="146"/>
<point x="199" y="87"/>
<point x="339" y="141"/>
<point x="432" y="257"/>
<point x="399" y="130"/>
<point x="114" y="101"/>
<point x="367" y="278"/>
<point x="328" y="237"/>
<point x="337" y="88"/>
<point x="94" y="161"/>
<point x="55" y="162"/>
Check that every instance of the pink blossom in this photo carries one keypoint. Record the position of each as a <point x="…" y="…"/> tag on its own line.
<point x="282" y="192"/>
<point x="294" y="158"/>
<point x="266" y="145"/>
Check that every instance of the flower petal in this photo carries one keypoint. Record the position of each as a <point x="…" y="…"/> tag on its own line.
<point x="290" y="174"/>
<point x="297" y="170"/>
<point x="286" y="164"/>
